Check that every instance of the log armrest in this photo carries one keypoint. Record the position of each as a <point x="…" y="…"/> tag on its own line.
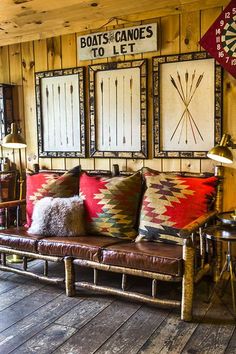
<point x="199" y="222"/>
<point x="12" y="203"/>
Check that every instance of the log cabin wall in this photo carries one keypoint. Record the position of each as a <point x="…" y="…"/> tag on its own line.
<point x="177" y="33"/>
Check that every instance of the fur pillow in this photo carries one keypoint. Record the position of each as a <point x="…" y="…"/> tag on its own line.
<point x="58" y="217"/>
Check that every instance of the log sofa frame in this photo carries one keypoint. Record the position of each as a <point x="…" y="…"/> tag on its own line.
<point x="196" y="264"/>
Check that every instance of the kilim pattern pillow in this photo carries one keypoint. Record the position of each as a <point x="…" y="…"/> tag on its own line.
<point x="171" y="202"/>
<point x="53" y="185"/>
<point x="111" y="204"/>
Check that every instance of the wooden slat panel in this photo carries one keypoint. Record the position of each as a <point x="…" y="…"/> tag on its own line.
<point x="18" y="99"/>
<point x="68" y="50"/>
<point x="190" y="31"/>
<point x="134" y="165"/>
<point x="29" y="98"/>
<point x="40" y="54"/>
<point x="170" y="36"/>
<point x="155" y="164"/>
<point x="41" y="64"/>
<point x="102" y="164"/>
<point x="121" y="162"/>
<point x="87" y="164"/>
<point x="190" y="165"/>
<point x="54" y="53"/>
<point x="4" y="65"/>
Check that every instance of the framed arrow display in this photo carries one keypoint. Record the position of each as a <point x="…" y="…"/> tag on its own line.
<point x="220" y="39"/>
<point x="187" y="98"/>
<point x="118" y="109"/>
<point x="60" y="113"/>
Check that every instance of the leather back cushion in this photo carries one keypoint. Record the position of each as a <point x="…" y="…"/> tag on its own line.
<point x="111" y="204"/>
<point x="171" y="202"/>
<point x="53" y="185"/>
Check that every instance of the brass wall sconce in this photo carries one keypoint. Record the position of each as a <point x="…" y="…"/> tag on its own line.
<point x="221" y="152"/>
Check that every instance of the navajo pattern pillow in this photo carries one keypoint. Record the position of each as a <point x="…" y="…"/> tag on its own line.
<point x="171" y="202"/>
<point x="53" y="185"/>
<point x="111" y="204"/>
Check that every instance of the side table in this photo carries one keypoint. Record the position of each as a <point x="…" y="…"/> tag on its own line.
<point x="226" y="234"/>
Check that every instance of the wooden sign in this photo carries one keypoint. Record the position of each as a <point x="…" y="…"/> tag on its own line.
<point x="220" y="39"/>
<point x="123" y="41"/>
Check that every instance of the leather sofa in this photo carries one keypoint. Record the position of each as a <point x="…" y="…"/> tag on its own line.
<point x="183" y="264"/>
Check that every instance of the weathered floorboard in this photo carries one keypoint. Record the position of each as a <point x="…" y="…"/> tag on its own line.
<point x="20" y="332"/>
<point x="97" y="331"/>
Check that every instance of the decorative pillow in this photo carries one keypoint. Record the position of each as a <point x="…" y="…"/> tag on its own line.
<point x="58" y="217"/>
<point x="48" y="184"/>
<point x="111" y="204"/>
<point x="171" y="202"/>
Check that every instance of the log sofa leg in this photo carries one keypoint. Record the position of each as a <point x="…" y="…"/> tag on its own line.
<point x="69" y="276"/>
<point x="188" y="281"/>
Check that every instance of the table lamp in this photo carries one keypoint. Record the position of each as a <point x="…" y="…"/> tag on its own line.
<point x="221" y="152"/>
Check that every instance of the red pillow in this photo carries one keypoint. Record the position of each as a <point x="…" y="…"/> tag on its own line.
<point x="49" y="184"/>
<point x="111" y="204"/>
<point x="171" y="202"/>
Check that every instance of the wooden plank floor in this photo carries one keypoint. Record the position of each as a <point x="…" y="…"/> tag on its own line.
<point x="39" y="318"/>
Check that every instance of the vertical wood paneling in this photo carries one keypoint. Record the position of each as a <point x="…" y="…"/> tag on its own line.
<point x="190" y="31"/>
<point x="4" y="65"/>
<point x="230" y="127"/>
<point x="170" y="44"/>
<point x="102" y="164"/>
<point x="170" y="36"/>
<point x="18" y="99"/>
<point x="29" y="99"/>
<point x="41" y="64"/>
<point x="189" y="38"/>
<point x="40" y="54"/>
<point x="155" y="164"/>
<point x="190" y="165"/>
<point x="54" y="54"/>
<point x="68" y="52"/>
<point x="122" y="163"/>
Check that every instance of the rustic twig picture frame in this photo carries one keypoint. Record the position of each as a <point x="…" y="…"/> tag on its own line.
<point x="60" y="113"/>
<point x="187" y="105"/>
<point x="118" y="109"/>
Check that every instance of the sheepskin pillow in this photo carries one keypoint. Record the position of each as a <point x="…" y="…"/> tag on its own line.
<point x="58" y="217"/>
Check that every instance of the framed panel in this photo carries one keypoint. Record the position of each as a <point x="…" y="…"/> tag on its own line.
<point x="187" y="99"/>
<point x="118" y="109"/>
<point x="60" y="113"/>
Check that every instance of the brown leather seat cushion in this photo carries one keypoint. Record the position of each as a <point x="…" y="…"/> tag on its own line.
<point x="155" y="257"/>
<point x="19" y="239"/>
<point x="85" y="247"/>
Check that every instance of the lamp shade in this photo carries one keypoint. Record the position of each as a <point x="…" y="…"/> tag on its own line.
<point x="221" y="154"/>
<point x="14" y="140"/>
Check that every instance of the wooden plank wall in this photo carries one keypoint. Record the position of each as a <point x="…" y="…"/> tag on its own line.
<point x="178" y="34"/>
